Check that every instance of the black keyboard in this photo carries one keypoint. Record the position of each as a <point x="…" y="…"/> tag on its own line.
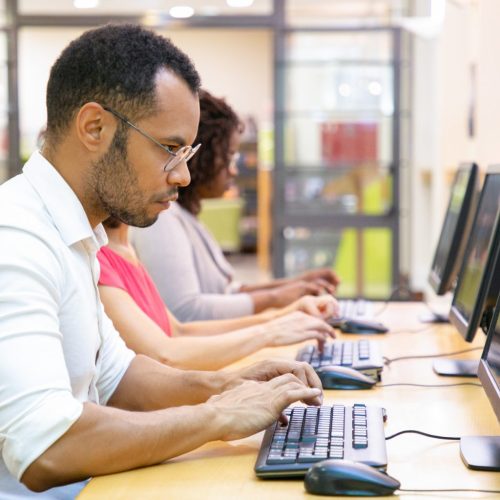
<point x="357" y="311"/>
<point x="363" y="355"/>
<point x="319" y="433"/>
<point x="356" y="308"/>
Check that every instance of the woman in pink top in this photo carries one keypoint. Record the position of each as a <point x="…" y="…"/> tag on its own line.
<point x="134" y="305"/>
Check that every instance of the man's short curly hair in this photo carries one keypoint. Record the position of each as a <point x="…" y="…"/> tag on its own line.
<point x="218" y="122"/>
<point x="116" y="65"/>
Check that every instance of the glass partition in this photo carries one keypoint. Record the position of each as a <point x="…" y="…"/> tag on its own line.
<point x="364" y="190"/>
<point x="339" y="120"/>
<point x="362" y="258"/>
<point x="322" y="12"/>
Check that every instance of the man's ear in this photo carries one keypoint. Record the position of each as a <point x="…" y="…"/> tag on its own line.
<point x="95" y="127"/>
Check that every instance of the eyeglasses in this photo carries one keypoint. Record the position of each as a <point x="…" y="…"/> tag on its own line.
<point x="185" y="153"/>
<point x="233" y="160"/>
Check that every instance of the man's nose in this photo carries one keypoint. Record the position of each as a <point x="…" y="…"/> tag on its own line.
<point x="179" y="175"/>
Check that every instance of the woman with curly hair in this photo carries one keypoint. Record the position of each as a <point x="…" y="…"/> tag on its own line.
<point x="194" y="278"/>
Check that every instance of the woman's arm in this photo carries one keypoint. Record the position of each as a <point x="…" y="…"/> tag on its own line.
<point x="324" y="307"/>
<point x="173" y="260"/>
<point x="143" y="336"/>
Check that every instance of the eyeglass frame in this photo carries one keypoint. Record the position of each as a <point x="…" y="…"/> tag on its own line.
<point x="234" y="159"/>
<point x="171" y="164"/>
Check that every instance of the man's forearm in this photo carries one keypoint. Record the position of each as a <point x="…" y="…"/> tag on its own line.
<point x="106" y="440"/>
<point x="149" y="385"/>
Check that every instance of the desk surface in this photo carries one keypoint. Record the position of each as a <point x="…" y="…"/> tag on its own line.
<point x="225" y="470"/>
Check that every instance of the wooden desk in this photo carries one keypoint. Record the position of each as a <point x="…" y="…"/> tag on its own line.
<point x="225" y="470"/>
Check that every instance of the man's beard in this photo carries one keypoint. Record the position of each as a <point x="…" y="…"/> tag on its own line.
<point x="116" y="186"/>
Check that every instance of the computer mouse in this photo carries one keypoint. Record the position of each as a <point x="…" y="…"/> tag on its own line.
<point x="344" y="477"/>
<point x="343" y="377"/>
<point x="362" y="326"/>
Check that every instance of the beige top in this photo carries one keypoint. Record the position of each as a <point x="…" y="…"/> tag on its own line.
<point x="187" y="265"/>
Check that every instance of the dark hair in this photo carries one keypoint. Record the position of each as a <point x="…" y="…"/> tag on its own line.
<point x="115" y="65"/>
<point x="217" y="122"/>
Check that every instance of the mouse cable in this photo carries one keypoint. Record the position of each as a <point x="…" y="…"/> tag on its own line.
<point x="413" y="431"/>
<point x="388" y="361"/>
<point x="387" y="301"/>
<point x="454" y="490"/>
<point x="409" y="384"/>
<point x="407" y="291"/>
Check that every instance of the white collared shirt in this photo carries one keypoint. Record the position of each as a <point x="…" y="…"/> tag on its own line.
<point x="58" y="349"/>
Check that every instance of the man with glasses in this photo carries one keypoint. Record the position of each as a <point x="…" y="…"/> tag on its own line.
<point x="177" y="154"/>
<point x="122" y="112"/>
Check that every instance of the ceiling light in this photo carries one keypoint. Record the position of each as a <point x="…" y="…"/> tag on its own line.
<point x="181" y="11"/>
<point x="345" y="90"/>
<point x="85" y="4"/>
<point x="239" y="3"/>
<point x="375" y="88"/>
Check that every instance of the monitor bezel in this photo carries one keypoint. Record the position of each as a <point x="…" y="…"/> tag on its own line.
<point x="484" y="373"/>
<point x="444" y="283"/>
<point x="468" y="328"/>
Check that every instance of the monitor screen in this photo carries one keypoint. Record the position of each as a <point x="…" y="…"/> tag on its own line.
<point x="489" y="366"/>
<point x="455" y="229"/>
<point x="478" y="283"/>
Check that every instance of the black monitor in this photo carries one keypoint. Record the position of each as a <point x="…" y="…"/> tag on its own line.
<point x="455" y="230"/>
<point x="489" y="366"/>
<point x="478" y="284"/>
<point x="483" y="452"/>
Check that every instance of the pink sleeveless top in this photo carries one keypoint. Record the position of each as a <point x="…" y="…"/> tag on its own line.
<point x="135" y="280"/>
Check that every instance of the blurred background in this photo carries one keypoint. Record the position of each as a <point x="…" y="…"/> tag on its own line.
<point x="357" y="114"/>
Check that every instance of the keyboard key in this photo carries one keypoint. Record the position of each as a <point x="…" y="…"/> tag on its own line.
<point x="281" y="460"/>
<point x="306" y="459"/>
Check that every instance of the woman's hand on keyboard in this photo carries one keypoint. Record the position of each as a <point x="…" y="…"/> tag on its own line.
<point x="297" y="327"/>
<point x="286" y="294"/>
<point x="324" y="306"/>
<point x="253" y="406"/>
<point x="323" y="275"/>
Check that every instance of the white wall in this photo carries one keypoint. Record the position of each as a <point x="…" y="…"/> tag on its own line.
<point x="236" y="64"/>
<point x="442" y="95"/>
<point x="38" y="49"/>
<point x="488" y="108"/>
<point x="233" y="63"/>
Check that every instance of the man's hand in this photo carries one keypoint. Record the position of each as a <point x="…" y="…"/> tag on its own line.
<point x="264" y="371"/>
<point x="324" y="306"/>
<point x="253" y="406"/>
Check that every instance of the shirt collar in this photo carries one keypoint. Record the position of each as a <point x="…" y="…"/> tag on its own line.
<point x="61" y="202"/>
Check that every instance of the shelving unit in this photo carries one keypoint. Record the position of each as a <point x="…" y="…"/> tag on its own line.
<point x="339" y="117"/>
<point x="246" y="182"/>
<point x="247" y="186"/>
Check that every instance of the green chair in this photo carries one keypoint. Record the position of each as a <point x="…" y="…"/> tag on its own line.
<point x="222" y="217"/>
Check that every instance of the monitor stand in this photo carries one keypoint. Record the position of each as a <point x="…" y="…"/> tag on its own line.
<point x="433" y="317"/>
<point x="456" y="367"/>
<point x="481" y="452"/>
